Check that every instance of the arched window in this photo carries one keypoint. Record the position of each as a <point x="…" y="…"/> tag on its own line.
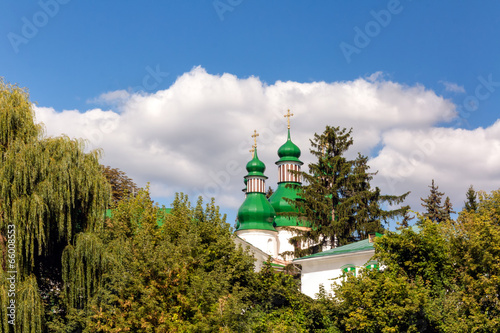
<point x="270" y="246"/>
<point x="348" y="270"/>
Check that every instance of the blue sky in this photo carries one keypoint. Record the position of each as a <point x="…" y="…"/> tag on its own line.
<point x="70" y="54"/>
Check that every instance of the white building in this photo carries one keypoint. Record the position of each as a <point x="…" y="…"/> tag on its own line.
<point x="325" y="268"/>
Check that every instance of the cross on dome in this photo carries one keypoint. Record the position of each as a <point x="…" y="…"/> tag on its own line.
<point x="253" y="149"/>
<point x="254" y="136"/>
<point x="288" y="115"/>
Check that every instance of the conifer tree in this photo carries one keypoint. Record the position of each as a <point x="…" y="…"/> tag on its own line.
<point x="50" y="190"/>
<point x="337" y="198"/>
<point x="436" y="211"/>
<point x="471" y="203"/>
<point x="447" y="209"/>
<point x="269" y="192"/>
<point x="406" y="218"/>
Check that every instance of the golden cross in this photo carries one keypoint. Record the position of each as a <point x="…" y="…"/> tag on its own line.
<point x="254" y="136"/>
<point x="288" y="115"/>
<point x="252" y="150"/>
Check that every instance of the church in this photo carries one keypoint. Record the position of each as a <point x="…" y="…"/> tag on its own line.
<point x="265" y="231"/>
<point x="259" y="220"/>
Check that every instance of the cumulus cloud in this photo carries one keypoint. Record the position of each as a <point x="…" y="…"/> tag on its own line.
<point x="195" y="136"/>
<point x="454" y="158"/>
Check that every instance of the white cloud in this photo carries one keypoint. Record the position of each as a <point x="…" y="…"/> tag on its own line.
<point x="116" y="97"/>
<point x="453" y="87"/>
<point x="195" y="136"/>
<point x="454" y="158"/>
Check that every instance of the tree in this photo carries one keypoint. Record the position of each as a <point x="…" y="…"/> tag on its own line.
<point x="447" y="209"/>
<point x="50" y="191"/>
<point x="181" y="275"/>
<point x="406" y="218"/>
<point x="435" y="211"/>
<point x="337" y="198"/>
<point x="471" y="203"/>
<point x="121" y="184"/>
<point x="269" y="192"/>
<point x="437" y="277"/>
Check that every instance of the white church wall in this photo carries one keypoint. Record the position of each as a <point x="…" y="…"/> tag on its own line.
<point x="259" y="255"/>
<point x="324" y="270"/>
<point x="284" y="244"/>
<point x="265" y="240"/>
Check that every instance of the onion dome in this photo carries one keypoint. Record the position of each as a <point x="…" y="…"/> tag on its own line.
<point x="255" y="167"/>
<point x="256" y="212"/>
<point x="289" y="151"/>
<point x="288" y="185"/>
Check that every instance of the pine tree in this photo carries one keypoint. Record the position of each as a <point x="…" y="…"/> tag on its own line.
<point x="50" y="190"/>
<point x="471" y="203"/>
<point x="447" y="209"/>
<point x="337" y="199"/>
<point x="406" y="218"/>
<point x="436" y="211"/>
<point x="269" y="192"/>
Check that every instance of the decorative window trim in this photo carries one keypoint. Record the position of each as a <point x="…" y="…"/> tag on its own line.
<point x="372" y="265"/>
<point x="348" y="269"/>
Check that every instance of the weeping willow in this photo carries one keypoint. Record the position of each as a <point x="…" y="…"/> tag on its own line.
<point x="50" y="190"/>
<point x="29" y="308"/>
<point x="83" y="265"/>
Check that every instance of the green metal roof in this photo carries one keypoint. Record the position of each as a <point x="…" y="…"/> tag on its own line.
<point x="256" y="213"/>
<point x="363" y="245"/>
<point x="256" y="167"/>
<point x="289" y="151"/>
<point x="280" y="205"/>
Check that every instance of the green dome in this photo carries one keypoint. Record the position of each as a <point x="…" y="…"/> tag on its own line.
<point x="256" y="167"/>
<point x="256" y="213"/>
<point x="289" y="151"/>
<point x="280" y="205"/>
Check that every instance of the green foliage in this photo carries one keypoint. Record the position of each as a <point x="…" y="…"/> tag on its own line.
<point x="184" y="274"/>
<point x="471" y="203"/>
<point x="440" y="277"/>
<point x="337" y="198"/>
<point x="174" y="277"/>
<point x="121" y="184"/>
<point x="435" y="211"/>
<point x="50" y="190"/>
<point x="381" y="303"/>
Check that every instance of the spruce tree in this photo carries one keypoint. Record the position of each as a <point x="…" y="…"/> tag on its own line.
<point x="447" y="209"/>
<point x="337" y="198"/>
<point x="434" y="210"/>
<point x="471" y="203"/>
<point x="406" y="218"/>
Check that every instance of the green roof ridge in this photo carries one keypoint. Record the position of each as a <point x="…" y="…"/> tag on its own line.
<point x="362" y="245"/>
